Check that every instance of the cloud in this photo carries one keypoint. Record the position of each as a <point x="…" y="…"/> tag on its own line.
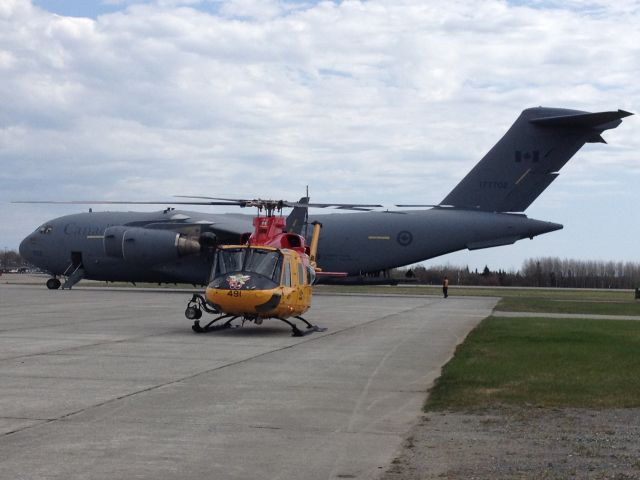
<point x="364" y="101"/>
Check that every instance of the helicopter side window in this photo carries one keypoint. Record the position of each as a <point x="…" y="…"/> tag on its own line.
<point x="311" y="275"/>
<point x="301" y="279"/>
<point x="286" y="278"/>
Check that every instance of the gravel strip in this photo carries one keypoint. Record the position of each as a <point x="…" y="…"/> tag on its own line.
<point x="528" y="443"/>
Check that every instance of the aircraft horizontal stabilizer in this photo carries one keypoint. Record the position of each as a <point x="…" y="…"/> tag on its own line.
<point x="599" y="120"/>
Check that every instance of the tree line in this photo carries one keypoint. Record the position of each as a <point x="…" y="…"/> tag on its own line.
<point x="555" y="272"/>
<point x="10" y="259"/>
<point x="535" y="272"/>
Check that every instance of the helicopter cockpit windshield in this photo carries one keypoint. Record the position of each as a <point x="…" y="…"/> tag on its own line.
<point x="252" y="262"/>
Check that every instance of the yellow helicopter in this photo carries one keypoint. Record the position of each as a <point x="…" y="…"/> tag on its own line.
<point x="268" y="275"/>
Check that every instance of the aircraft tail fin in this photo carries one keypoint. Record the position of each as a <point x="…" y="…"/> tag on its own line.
<point x="528" y="158"/>
<point x="298" y="217"/>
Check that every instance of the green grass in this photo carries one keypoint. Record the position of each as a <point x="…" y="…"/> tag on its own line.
<point x="604" y="295"/>
<point x="550" y="305"/>
<point x="543" y="363"/>
<point x="513" y="299"/>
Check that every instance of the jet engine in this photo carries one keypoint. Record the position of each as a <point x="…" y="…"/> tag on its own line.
<point x="147" y="246"/>
<point x="208" y="240"/>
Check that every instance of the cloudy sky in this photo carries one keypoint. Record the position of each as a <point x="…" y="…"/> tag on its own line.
<point x="364" y="101"/>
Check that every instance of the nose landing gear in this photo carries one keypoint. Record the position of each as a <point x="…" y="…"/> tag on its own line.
<point x="53" y="284"/>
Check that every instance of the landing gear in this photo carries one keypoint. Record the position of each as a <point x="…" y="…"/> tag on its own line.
<point x="53" y="284"/>
<point x="310" y="327"/>
<point x="209" y="327"/>
<point x="295" y="331"/>
<point x="198" y="304"/>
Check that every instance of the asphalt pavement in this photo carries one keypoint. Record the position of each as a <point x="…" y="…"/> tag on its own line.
<point x="101" y="384"/>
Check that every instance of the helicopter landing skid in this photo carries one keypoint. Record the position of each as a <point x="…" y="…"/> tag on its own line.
<point x="295" y="331"/>
<point x="209" y="327"/>
<point x="310" y="328"/>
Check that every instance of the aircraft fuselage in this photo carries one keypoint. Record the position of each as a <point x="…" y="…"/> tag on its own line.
<point x="352" y="242"/>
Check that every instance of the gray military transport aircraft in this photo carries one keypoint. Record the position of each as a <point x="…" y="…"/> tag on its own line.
<point x="483" y="210"/>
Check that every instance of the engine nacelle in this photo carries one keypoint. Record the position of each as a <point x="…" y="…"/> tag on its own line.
<point x="147" y="246"/>
<point x="208" y="240"/>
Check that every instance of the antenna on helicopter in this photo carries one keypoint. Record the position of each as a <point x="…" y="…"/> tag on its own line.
<point x="306" y="216"/>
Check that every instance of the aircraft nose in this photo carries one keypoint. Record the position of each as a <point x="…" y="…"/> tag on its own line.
<point x="26" y="249"/>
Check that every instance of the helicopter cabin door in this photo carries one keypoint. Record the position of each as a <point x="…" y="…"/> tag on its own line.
<point x="289" y="283"/>
<point x="301" y="298"/>
<point x="286" y="280"/>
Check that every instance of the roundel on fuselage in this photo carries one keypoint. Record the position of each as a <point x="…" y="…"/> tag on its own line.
<point x="404" y="238"/>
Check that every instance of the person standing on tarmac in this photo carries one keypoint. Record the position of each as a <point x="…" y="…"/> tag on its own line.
<point x="445" y="287"/>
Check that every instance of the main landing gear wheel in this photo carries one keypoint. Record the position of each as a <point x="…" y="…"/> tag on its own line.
<point x="53" y="284"/>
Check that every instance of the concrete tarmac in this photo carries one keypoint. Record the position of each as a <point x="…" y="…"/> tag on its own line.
<point x="100" y="384"/>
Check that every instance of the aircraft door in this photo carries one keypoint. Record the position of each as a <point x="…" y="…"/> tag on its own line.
<point x="300" y="298"/>
<point x="75" y="271"/>
<point x="76" y="259"/>
<point x="287" y="283"/>
<point x="304" y="289"/>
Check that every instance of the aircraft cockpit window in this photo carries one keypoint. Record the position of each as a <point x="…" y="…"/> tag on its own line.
<point x="229" y="260"/>
<point x="45" y="229"/>
<point x="263" y="262"/>
<point x="267" y="263"/>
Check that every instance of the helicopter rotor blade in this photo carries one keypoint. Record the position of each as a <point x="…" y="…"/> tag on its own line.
<point x="211" y="201"/>
<point x="119" y="202"/>
<point x="285" y="203"/>
<point x="424" y="206"/>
